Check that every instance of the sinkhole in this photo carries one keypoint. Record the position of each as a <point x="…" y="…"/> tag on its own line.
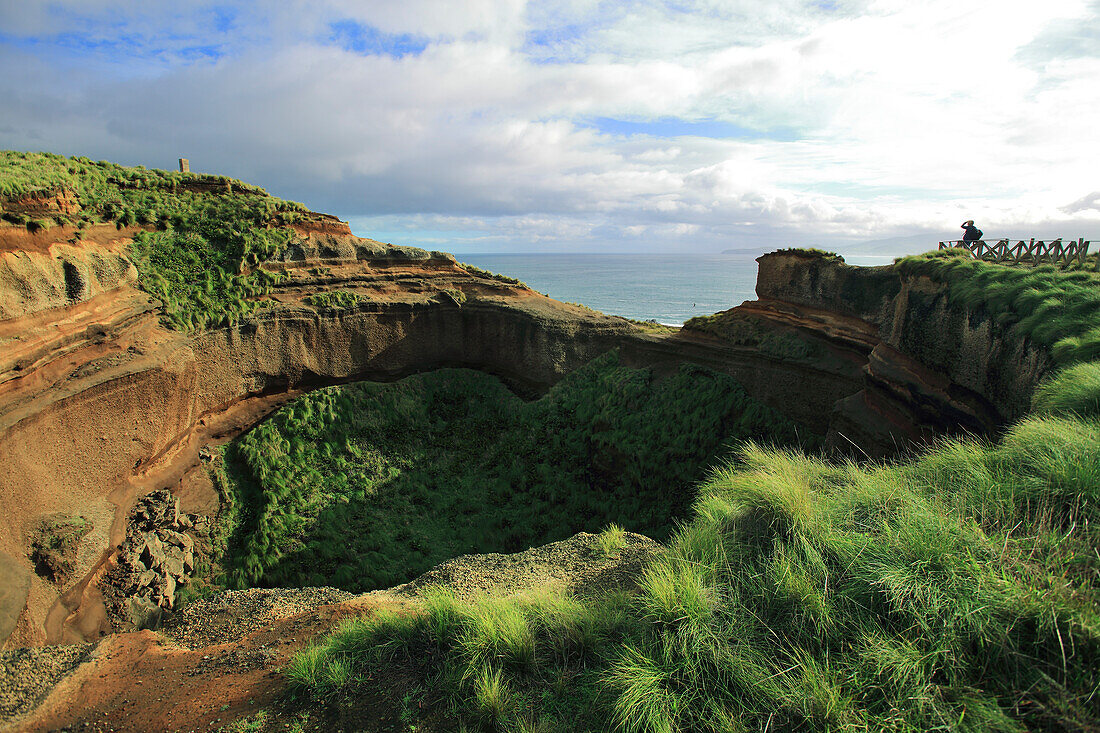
<point x="367" y="485"/>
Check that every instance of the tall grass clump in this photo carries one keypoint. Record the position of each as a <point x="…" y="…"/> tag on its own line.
<point x="202" y="240"/>
<point x="1075" y="391"/>
<point x="955" y="592"/>
<point x="498" y="663"/>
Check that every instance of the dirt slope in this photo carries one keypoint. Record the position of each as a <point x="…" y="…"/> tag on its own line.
<point x="219" y="659"/>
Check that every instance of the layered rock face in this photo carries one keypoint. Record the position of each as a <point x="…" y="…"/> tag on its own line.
<point x="920" y="366"/>
<point x="100" y="404"/>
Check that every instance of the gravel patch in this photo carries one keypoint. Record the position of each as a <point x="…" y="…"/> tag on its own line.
<point x="577" y="564"/>
<point x="27" y="675"/>
<point x="230" y="615"/>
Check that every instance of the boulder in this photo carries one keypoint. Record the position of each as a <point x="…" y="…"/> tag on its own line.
<point x="142" y="612"/>
<point x="173" y="562"/>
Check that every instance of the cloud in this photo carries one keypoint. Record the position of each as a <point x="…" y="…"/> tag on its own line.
<point x="502" y="123"/>
<point x="1090" y="202"/>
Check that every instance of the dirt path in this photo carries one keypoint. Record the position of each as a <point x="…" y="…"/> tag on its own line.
<point x="220" y="663"/>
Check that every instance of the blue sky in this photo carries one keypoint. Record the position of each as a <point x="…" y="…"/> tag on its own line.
<point x="505" y="125"/>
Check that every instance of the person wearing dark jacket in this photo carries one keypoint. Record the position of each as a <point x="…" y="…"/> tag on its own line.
<point x="973" y="233"/>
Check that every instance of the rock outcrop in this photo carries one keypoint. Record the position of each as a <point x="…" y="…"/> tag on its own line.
<point x="916" y="365"/>
<point x="157" y="557"/>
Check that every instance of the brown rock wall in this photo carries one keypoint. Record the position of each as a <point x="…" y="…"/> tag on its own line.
<point x="935" y="366"/>
<point x="31" y="282"/>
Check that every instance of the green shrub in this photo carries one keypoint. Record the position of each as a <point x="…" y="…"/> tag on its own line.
<point x="334" y="300"/>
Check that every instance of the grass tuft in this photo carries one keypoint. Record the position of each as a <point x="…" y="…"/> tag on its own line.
<point x="611" y="539"/>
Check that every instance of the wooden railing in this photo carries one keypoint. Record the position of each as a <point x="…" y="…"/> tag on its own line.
<point x="1056" y="252"/>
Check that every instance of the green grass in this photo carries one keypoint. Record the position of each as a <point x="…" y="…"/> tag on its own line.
<point x="1075" y="391"/>
<point x="334" y="299"/>
<point x="1058" y="310"/>
<point x="611" y="539"/>
<point x="820" y="596"/>
<point x="369" y="485"/>
<point x="955" y="591"/>
<point x="809" y="252"/>
<point x="205" y="237"/>
<point x="518" y="663"/>
<point x="757" y="334"/>
<point x="492" y="275"/>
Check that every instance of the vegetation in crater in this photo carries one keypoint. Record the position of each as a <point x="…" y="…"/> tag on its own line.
<point x="369" y="485"/>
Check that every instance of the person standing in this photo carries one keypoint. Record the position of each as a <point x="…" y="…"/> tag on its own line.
<point x="972" y="233"/>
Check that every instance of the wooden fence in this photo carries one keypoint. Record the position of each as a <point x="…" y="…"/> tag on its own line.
<point x="1056" y="252"/>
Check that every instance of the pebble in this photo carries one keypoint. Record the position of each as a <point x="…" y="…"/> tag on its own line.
<point x="27" y="675"/>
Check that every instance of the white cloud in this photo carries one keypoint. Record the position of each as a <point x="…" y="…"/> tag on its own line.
<point x="870" y="119"/>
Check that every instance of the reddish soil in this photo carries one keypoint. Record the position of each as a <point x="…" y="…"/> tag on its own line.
<point x="15" y="238"/>
<point x="144" y="681"/>
<point x="79" y="614"/>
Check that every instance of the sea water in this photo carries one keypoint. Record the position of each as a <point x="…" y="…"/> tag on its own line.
<point x="666" y="288"/>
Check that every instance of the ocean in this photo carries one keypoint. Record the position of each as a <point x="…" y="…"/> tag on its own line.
<point x="666" y="288"/>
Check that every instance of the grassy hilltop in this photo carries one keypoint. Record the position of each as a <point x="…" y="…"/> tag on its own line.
<point x="202" y="237"/>
<point x="956" y="591"/>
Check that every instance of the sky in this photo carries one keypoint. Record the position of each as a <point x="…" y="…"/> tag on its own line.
<point x="585" y="125"/>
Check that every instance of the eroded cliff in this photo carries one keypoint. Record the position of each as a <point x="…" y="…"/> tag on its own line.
<point x="101" y="403"/>
<point x="915" y="363"/>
